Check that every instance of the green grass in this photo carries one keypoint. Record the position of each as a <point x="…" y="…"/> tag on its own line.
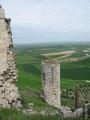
<point x="76" y="70"/>
<point x="29" y="80"/>
<point x="10" y="114"/>
<point x="66" y="83"/>
<point x="78" y="73"/>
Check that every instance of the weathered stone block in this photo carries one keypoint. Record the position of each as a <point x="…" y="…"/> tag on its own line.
<point x="51" y="82"/>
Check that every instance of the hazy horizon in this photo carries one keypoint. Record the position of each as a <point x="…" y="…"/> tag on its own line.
<point x="55" y="43"/>
<point x="45" y="21"/>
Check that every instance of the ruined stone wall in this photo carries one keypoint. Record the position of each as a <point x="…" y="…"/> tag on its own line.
<point x="9" y="95"/>
<point x="51" y="82"/>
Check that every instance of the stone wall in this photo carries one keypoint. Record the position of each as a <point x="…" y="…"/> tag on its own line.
<point x="67" y="113"/>
<point x="87" y="110"/>
<point x="51" y="82"/>
<point x="9" y="95"/>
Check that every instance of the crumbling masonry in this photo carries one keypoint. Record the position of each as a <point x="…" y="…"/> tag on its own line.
<point x="9" y="95"/>
<point x="51" y="82"/>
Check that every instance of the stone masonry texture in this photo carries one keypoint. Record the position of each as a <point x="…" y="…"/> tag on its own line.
<point x="51" y="82"/>
<point x="9" y="95"/>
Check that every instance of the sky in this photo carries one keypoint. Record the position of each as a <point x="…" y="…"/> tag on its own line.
<point x="40" y="21"/>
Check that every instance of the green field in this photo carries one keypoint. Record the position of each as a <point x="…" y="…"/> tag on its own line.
<point x="28" y="62"/>
<point x="29" y="58"/>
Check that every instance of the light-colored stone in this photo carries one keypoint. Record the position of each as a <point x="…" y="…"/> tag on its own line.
<point x="67" y="113"/>
<point x="9" y="95"/>
<point x="79" y="112"/>
<point x="51" y="82"/>
<point x="87" y="110"/>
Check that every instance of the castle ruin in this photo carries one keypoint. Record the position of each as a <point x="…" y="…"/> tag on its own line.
<point x="9" y="95"/>
<point x="51" y="82"/>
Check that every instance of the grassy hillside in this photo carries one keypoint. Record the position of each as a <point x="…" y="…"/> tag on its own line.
<point x="28" y="61"/>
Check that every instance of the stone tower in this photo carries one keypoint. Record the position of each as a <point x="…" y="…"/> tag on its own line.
<point x="51" y="82"/>
<point x="9" y="95"/>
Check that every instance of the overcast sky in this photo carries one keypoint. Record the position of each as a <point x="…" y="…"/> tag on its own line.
<point x="49" y="20"/>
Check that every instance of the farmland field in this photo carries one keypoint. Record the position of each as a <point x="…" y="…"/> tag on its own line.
<point x="29" y="58"/>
